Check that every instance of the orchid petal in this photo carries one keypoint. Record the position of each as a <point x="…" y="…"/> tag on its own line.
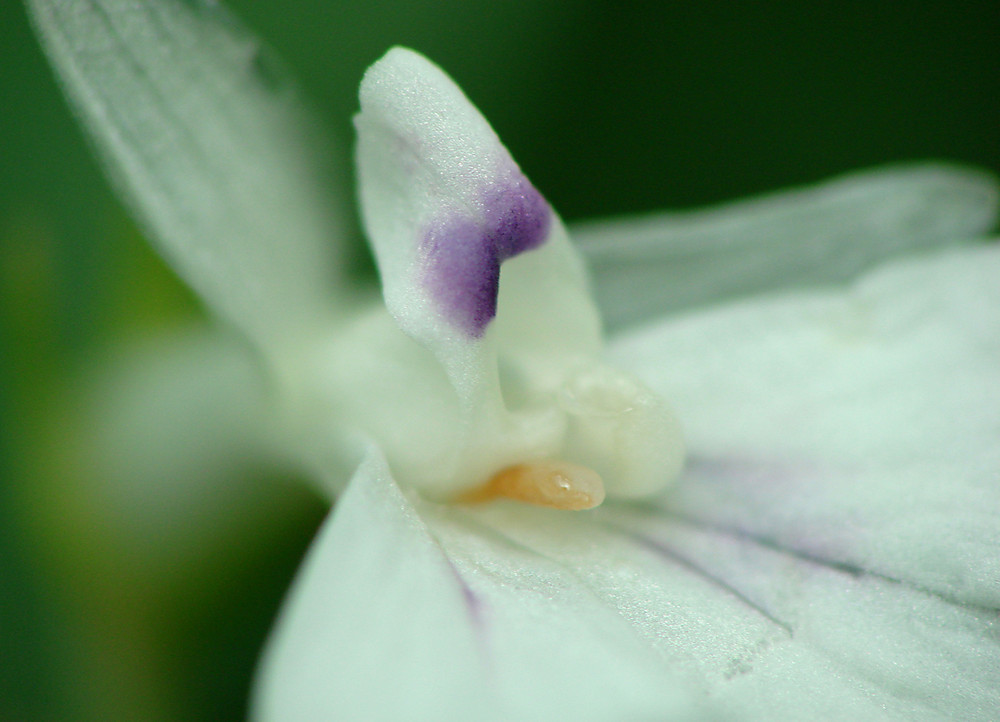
<point x="860" y="429"/>
<point x="646" y="266"/>
<point x="770" y="584"/>
<point x="444" y="205"/>
<point x="209" y="145"/>
<point x="382" y="624"/>
<point x="758" y="630"/>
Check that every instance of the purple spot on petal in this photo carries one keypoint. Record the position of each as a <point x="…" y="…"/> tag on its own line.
<point x="517" y="217"/>
<point x="463" y="253"/>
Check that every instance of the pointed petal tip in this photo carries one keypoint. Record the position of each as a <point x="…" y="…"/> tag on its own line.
<point x="442" y="199"/>
<point x="402" y="55"/>
<point x="398" y="63"/>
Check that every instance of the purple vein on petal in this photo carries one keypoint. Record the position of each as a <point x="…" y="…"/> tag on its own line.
<point x="475" y="608"/>
<point x="804" y="556"/>
<point x="662" y="549"/>
<point x="462" y="251"/>
<point x="473" y="603"/>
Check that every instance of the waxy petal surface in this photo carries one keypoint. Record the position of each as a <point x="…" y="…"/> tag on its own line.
<point x="774" y="583"/>
<point x="444" y="205"/>
<point x="856" y="428"/>
<point x="385" y="623"/>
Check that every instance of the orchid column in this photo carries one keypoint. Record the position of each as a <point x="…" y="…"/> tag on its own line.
<point x="497" y="387"/>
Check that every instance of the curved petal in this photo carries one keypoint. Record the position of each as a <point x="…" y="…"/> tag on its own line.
<point x="859" y="429"/>
<point x="756" y="629"/>
<point x="774" y="583"/>
<point x="444" y="205"/>
<point x="844" y="481"/>
<point x="383" y="624"/>
<point x="211" y="148"/>
<point x="646" y="266"/>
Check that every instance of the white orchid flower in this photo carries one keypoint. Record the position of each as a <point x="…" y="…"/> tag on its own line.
<point x="831" y="549"/>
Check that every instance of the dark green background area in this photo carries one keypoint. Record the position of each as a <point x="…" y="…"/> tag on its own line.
<point x="609" y="109"/>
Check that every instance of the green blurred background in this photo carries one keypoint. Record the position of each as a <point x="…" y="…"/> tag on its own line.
<point x="609" y="108"/>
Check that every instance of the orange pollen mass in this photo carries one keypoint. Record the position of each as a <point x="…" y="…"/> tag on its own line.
<point x="558" y="484"/>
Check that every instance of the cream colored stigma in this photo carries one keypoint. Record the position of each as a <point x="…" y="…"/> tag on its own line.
<point x="558" y="484"/>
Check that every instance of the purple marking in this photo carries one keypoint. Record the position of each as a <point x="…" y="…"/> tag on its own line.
<point x="463" y="253"/>
<point x="475" y="607"/>
<point x="697" y="569"/>
<point x="472" y="601"/>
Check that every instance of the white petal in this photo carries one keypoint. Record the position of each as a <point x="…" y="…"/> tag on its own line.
<point x="646" y="266"/>
<point x="858" y="428"/>
<point x="772" y="583"/>
<point x="211" y="148"/>
<point x="444" y="205"/>
<point x="757" y="629"/>
<point x="383" y="625"/>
